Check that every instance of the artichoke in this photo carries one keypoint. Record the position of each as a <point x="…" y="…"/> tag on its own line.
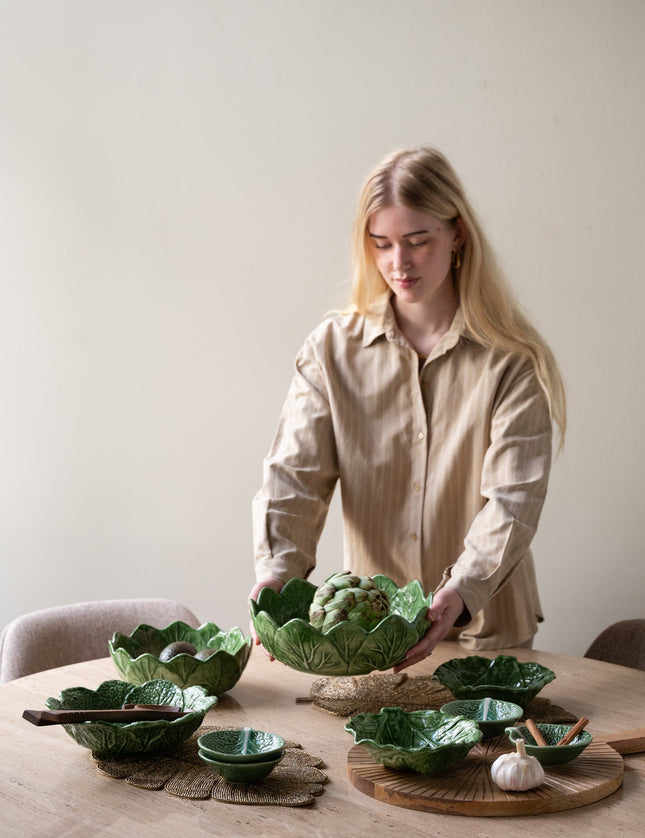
<point x="345" y="596"/>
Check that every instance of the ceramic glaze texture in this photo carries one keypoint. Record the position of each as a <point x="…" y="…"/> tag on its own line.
<point x="426" y="741"/>
<point x="241" y="772"/>
<point x="136" y="656"/>
<point x="281" y="621"/>
<point x="552" y="753"/>
<point x="142" y="737"/>
<point x="498" y="714"/>
<point x="232" y="745"/>
<point x="503" y="677"/>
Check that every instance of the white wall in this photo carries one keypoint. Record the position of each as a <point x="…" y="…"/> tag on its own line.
<point x="177" y="184"/>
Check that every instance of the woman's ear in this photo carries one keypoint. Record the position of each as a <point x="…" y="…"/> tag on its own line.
<point x="460" y="233"/>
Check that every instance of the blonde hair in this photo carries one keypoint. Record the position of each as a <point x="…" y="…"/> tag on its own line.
<point x="422" y="178"/>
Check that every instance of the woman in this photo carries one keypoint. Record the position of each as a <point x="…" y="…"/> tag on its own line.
<point x="432" y="400"/>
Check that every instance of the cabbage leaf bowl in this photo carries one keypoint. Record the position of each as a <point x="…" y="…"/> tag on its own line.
<point x="136" y="656"/>
<point x="503" y="678"/>
<point x="282" y="624"/>
<point x="425" y="741"/>
<point x="138" y="737"/>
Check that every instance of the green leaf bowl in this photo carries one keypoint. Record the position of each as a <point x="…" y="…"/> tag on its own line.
<point x="282" y="624"/>
<point x="228" y="745"/>
<point x="136" y="656"/>
<point x="503" y="677"/>
<point x="499" y="714"/>
<point x="425" y="741"/>
<point x="241" y="772"/>
<point x="551" y="753"/>
<point x="143" y="737"/>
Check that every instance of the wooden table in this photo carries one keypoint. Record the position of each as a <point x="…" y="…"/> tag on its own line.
<point x="49" y="786"/>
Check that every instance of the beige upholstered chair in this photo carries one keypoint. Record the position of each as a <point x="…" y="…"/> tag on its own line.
<point x="71" y="633"/>
<point x="622" y="643"/>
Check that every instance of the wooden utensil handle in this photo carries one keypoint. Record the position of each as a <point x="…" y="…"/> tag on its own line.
<point x="61" y="717"/>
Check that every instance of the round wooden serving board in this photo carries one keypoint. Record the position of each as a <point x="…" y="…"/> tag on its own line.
<point x="467" y="788"/>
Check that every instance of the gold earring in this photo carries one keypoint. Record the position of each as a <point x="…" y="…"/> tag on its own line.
<point x="456" y="257"/>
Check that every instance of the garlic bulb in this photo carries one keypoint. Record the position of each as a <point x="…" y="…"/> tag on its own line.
<point x="517" y="771"/>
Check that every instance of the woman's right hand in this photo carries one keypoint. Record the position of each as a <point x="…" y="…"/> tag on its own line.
<point x="270" y="582"/>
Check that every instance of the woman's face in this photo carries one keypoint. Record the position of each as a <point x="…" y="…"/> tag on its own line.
<point x="413" y="253"/>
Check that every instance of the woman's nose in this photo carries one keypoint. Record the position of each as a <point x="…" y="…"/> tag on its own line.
<point x="400" y="260"/>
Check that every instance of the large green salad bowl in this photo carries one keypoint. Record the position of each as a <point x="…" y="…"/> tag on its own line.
<point x="142" y="737"/>
<point x="137" y="655"/>
<point x="503" y="677"/>
<point x="282" y="624"/>
<point x="426" y="741"/>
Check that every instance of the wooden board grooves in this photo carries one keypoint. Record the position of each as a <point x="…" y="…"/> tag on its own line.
<point x="467" y="788"/>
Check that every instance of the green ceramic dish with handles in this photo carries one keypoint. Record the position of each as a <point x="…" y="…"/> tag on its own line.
<point x="282" y="624"/>
<point x="552" y="753"/>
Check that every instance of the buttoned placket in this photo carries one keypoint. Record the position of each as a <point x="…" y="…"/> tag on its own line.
<point x="419" y="442"/>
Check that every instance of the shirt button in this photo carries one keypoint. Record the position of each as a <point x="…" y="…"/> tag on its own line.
<point x="421" y="435"/>
<point x="413" y="536"/>
<point x="417" y="487"/>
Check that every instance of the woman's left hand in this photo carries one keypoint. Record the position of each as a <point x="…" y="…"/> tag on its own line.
<point x="446" y="607"/>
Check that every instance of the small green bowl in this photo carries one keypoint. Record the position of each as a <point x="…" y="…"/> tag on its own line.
<point x="551" y="754"/>
<point x="425" y="741"/>
<point x="503" y="677"/>
<point x="241" y="772"/>
<point x="228" y="745"/>
<point x="499" y="714"/>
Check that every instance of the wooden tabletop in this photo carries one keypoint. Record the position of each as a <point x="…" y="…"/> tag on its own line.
<point x="49" y="785"/>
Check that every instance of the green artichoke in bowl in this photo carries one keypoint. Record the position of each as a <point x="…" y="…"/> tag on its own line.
<point x="137" y="656"/>
<point x="282" y="623"/>
<point x="426" y="741"/>
<point x="142" y="737"/>
<point x="503" y="677"/>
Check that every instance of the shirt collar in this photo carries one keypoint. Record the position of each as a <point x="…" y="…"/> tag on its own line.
<point x="381" y="321"/>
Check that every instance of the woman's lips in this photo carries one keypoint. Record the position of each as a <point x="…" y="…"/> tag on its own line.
<point x="406" y="281"/>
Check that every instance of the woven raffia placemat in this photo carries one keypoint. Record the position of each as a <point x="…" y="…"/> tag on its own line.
<point x="347" y="696"/>
<point x="296" y="781"/>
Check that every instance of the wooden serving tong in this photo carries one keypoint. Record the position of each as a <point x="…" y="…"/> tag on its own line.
<point x="128" y="713"/>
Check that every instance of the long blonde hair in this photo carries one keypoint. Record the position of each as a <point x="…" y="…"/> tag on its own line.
<point x="422" y="178"/>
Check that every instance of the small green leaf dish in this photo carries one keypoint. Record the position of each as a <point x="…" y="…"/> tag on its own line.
<point x="228" y="745"/>
<point x="143" y="737"/>
<point x="136" y="656"/>
<point x="552" y="753"/>
<point x="425" y="741"/>
<point x="282" y="624"/>
<point x="503" y="677"/>
<point x="241" y="772"/>
<point x="499" y="714"/>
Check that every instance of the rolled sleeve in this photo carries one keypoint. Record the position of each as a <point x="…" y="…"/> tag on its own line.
<point x="299" y="476"/>
<point x="513" y="485"/>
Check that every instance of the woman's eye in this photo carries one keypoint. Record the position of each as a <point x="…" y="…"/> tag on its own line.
<point x="381" y="246"/>
<point x="419" y="244"/>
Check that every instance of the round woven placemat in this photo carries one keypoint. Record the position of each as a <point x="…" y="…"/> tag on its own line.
<point x="347" y="696"/>
<point x="296" y="781"/>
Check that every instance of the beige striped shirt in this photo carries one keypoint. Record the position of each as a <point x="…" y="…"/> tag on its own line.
<point x="443" y="468"/>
